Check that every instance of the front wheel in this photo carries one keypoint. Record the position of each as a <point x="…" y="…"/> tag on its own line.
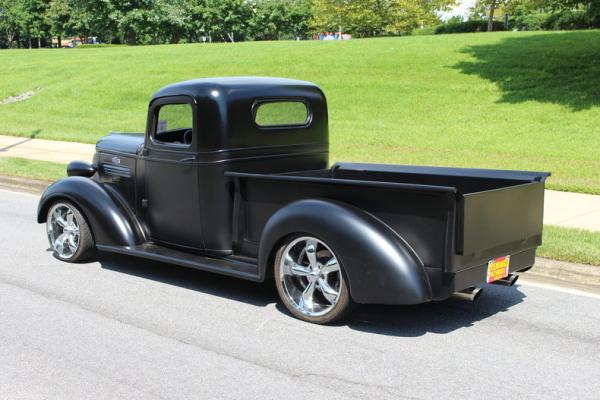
<point x="69" y="234"/>
<point x="310" y="280"/>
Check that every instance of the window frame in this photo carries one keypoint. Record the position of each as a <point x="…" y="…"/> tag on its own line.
<point x="161" y="102"/>
<point x="259" y="102"/>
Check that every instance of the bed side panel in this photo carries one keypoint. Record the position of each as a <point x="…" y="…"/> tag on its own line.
<point x="418" y="217"/>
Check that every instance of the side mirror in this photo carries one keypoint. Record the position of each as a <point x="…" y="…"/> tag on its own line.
<point x="81" y="168"/>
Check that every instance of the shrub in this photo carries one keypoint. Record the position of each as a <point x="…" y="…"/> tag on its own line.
<point x="424" y="31"/>
<point x="525" y="19"/>
<point x="467" y="26"/>
<point x="568" y="20"/>
<point x="97" y="46"/>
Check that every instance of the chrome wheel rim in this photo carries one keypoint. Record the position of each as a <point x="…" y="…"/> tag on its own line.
<point x="310" y="276"/>
<point x="63" y="230"/>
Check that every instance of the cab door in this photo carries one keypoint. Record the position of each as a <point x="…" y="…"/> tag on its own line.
<point x="172" y="185"/>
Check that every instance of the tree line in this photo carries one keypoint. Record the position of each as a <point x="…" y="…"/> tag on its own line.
<point x="538" y="14"/>
<point x="33" y="23"/>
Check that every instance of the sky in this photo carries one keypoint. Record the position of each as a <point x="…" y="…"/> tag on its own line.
<point x="462" y="9"/>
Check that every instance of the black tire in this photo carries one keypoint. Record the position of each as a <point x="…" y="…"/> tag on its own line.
<point x="343" y="305"/>
<point x="86" y="246"/>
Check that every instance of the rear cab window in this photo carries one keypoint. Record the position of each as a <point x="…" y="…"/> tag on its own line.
<point x="281" y="113"/>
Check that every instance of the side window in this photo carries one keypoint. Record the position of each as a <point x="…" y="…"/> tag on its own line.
<point x="281" y="113"/>
<point x="174" y="124"/>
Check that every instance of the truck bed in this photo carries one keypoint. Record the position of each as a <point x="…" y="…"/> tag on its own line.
<point x="455" y="219"/>
<point x="462" y="180"/>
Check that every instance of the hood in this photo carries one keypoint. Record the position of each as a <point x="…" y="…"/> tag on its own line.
<point x="121" y="142"/>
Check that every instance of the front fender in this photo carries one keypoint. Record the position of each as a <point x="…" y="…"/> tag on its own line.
<point x="379" y="265"/>
<point x="111" y="222"/>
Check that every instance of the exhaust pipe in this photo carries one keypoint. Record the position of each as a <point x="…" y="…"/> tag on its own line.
<point x="469" y="294"/>
<point x="510" y="280"/>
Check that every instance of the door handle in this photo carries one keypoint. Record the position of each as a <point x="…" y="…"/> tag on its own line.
<point x="187" y="160"/>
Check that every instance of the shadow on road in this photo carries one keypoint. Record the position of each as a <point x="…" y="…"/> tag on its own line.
<point x="405" y="321"/>
<point x="435" y="317"/>
<point x="256" y="294"/>
<point x="561" y="68"/>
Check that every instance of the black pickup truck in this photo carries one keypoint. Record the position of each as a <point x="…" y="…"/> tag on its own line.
<point x="232" y="177"/>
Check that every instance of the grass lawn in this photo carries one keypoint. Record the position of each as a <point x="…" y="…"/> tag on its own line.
<point x="32" y="169"/>
<point x="575" y="245"/>
<point x="503" y="100"/>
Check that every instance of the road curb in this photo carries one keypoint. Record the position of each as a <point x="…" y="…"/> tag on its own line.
<point x="580" y="274"/>
<point x="20" y="184"/>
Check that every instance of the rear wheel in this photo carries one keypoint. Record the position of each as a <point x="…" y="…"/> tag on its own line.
<point x="69" y="235"/>
<point x="310" y="280"/>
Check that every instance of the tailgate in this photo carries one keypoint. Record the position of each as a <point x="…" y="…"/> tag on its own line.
<point x="498" y="222"/>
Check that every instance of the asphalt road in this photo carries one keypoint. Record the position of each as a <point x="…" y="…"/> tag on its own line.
<point x="123" y="328"/>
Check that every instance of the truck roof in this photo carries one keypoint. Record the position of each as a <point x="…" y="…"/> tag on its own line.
<point x="241" y="86"/>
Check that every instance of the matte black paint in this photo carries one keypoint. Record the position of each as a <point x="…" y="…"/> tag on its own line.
<point x="379" y="266"/>
<point x="81" y="168"/>
<point x="109" y="219"/>
<point x="225" y="203"/>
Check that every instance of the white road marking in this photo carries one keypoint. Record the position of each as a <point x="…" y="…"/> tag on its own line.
<point x="19" y="193"/>
<point x="563" y="289"/>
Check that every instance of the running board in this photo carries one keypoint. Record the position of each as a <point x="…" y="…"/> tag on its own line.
<point x="224" y="265"/>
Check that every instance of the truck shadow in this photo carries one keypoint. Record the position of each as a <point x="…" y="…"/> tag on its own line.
<point x="259" y="295"/>
<point x="435" y="317"/>
<point x="560" y="68"/>
<point x="402" y="321"/>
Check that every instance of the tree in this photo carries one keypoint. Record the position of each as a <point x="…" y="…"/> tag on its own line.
<point x="592" y="7"/>
<point x="274" y="19"/>
<point x="11" y="15"/>
<point x="299" y="16"/>
<point x="83" y="18"/>
<point x="270" y="19"/>
<point x="408" y="15"/>
<point x="136" y="20"/>
<point x="172" y="19"/>
<point x="375" y="17"/>
<point x="330" y="15"/>
<point x="58" y="18"/>
<point x="31" y="21"/>
<point x="226" y="20"/>
<point x="490" y="26"/>
<point x="233" y="17"/>
<point x="488" y="8"/>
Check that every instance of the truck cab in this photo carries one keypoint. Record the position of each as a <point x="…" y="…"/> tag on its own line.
<point x="232" y="176"/>
<point x="173" y="176"/>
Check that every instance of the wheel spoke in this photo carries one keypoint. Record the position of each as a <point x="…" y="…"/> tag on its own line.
<point x="311" y="252"/>
<point x="59" y="219"/>
<point x="330" y="266"/>
<point x="59" y="243"/>
<point x="72" y="243"/>
<point x="70" y="218"/>
<point x="293" y="268"/>
<point x="329" y="293"/>
<point x="307" y="295"/>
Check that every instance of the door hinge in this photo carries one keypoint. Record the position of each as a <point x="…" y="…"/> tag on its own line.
<point x="144" y="203"/>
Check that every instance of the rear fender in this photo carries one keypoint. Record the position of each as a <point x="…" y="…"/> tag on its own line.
<point x="379" y="265"/>
<point x="111" y="222"/>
